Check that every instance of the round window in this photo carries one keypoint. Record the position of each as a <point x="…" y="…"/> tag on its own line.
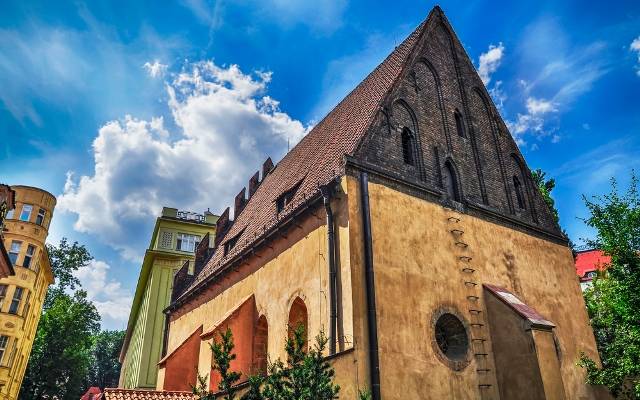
<point x="451" y="337"/>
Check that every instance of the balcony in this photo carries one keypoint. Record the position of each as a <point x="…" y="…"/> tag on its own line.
<point x="191" y="216"/>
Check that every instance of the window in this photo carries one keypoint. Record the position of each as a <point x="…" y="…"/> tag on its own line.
<point x="286" y="198"/>
<point x="14" y="250"/>
<point x="231" y="243"/>
<point x="519" y="194"/>
<point x="10" y="213"/>
<point x="591" y="274"/>
<point x="459" y="123"/>
<point x="3" y="294"/>
<point x="166" y="240"/>
<point x="185" y="242"/>
<point x="450" y="182"/>
<point x="298" y="319"/>
<point x="451" y="337"/>
<point x="40" y="217"/>
<point x="25" y="215"/>
<point x="31" y="249"/>
<point x="408" y="146"/>
<point x="15" y="302"/>
<point x="4" y="340"/>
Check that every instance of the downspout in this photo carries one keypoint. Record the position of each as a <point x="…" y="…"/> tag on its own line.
<point x="372" y="326"/>
<point x="333" y="295"/>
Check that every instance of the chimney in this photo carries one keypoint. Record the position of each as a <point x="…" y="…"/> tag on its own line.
<point x="222" y="225"/>
<point x="254" y="182"/>
<point x="267" y="167"/>
<point x="239" y="203"/>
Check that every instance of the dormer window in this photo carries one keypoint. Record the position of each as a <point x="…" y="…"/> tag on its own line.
<point x="459" y="123"/>
<point x="286" y="198"/>
<point x="231" y="243"/>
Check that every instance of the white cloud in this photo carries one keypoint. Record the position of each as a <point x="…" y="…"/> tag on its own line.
<point x="112" y="301"/>
<point x="155" y="69"/>
<point x="225" y="126"/>
<point x="323" y="16"/>
<point x="539" y="106"/>
<point x="635" y="46"/>
<point x="489" y="62"/>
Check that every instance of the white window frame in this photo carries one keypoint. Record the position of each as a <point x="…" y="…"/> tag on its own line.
<point x="13" y="251"/>
<point x="4" y="343"/>
<point x="17" y="300"/>
<point x="24" y="209"/>
<point x="27" y="256"/>
<point x="190" y="240"/>
<point x="41" y="214"/>
<point x="3" y="294"/>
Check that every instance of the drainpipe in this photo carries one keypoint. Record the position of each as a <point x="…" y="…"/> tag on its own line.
<point x="333" y="295"/>
<point x="372" y="326"/>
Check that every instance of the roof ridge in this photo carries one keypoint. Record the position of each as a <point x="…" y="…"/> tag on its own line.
<point x="319" y="155"/>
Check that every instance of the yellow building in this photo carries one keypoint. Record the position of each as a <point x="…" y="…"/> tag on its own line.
<point x="174" y="241"/>
<point x="22" y="295"/>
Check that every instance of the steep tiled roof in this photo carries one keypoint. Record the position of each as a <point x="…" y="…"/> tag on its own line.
<point x="132" y="394"/>
<point x="316" y="160"/>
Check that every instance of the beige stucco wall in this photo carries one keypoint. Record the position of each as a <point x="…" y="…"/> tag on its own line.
<point x="295" y="266"/>
<point x="418" y="270"/>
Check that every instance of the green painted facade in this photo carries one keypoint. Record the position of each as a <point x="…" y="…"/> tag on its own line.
<point x="142" y="347"/>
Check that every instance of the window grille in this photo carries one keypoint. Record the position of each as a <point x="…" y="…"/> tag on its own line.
<point x="166" y="240"/>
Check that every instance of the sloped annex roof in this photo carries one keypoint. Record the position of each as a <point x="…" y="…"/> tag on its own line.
<point x="316" y="160"/>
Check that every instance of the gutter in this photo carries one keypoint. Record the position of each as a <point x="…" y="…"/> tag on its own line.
<point x="331" y="249"/>
<point x="372" y="323"/>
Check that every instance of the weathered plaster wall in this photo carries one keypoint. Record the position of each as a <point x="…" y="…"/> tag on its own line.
<point x="418" y="270"/>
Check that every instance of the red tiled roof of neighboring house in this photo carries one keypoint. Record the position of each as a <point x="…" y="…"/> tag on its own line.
<point x="590" y="260"/>
<point x="316" y="160"/>
<point x="93" y="393"/>
<point x="135" y="394"/>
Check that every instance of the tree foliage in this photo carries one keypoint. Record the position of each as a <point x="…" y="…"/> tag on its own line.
<point x="65" y="260"/>
<point x="105" y="367"/>
<point x="306" y="375"/>
<point x="613" y="302"/>
<point x="545" y="186"/>
<point x="61" y="354"/>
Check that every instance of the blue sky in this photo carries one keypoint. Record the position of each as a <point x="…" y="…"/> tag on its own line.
<point x="119" y="108"/>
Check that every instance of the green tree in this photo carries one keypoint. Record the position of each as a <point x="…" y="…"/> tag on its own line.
<point x="307" y="375"/>
<point x="65" y="260"/>
<point x="61" y="353"/>
<point x="105" y="367"/>
<point x="545" y="186"/>
<point x="222" y="351"/>
<point x="613" y="302"/>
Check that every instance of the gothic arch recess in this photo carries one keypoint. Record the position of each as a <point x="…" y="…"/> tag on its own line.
<point x="404" y="117"/>
<point x="490" y="119"/>
<point x="523" y="175"/>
